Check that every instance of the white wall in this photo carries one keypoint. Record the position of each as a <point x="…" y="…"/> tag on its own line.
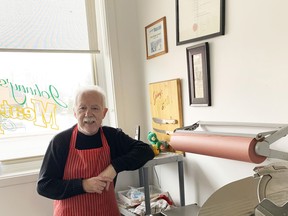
<point x="19" y="197"/>
<point x="124" y="40"/>
<point x="248" y="79"/>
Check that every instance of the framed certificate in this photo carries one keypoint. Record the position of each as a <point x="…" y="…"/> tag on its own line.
<point x="199" y="75"/>
<point x="156" y="38"/>
<point x="199" y="19"/>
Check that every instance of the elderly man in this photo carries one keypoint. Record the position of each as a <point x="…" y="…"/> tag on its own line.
<point x="81" y="164"/>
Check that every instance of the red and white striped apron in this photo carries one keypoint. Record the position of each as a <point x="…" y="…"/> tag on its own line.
<point x="85" y="164"/>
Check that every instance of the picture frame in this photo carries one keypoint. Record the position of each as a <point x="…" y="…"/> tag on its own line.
<point x="198" y="67"/>
<point x="156" y="38"/>
<point x="199" y="20"/>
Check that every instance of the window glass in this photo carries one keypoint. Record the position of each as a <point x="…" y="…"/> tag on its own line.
<point x="37" y="94"/>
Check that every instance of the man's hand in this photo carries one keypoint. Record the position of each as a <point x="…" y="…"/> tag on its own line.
<point x="110" y="173"/>
<point x="96" y="184"/>
<point x="99" y="183"/>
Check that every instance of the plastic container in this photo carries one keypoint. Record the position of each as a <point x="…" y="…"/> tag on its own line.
<point x="135" y="196"/>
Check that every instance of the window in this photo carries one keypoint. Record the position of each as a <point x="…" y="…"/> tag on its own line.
<point x="37" y="85"/>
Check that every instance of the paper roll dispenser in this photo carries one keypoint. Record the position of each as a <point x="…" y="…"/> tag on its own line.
<point x="254" y="148"/>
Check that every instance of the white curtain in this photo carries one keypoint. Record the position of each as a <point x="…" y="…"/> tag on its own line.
<point x="48" y="25"/>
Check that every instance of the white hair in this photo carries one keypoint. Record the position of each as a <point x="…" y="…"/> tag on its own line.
<point x="91" y="88"/>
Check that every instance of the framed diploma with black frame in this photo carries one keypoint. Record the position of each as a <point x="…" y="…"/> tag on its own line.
<point x="199" y="75"/>
<point x="199" y="20"/>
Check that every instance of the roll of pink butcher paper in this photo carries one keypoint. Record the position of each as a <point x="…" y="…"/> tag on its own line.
<point x="223" y="146"/>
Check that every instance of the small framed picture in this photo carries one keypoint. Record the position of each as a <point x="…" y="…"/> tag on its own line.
<point x="156" y="38"/>
<point x="199" y="74"/>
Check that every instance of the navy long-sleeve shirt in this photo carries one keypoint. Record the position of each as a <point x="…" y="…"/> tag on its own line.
<point x="126" y="154"/>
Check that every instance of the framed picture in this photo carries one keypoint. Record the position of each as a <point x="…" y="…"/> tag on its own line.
<point x="156" y="38"/>
<point x="199" y="19"/>
<point x="199" y="75"/>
